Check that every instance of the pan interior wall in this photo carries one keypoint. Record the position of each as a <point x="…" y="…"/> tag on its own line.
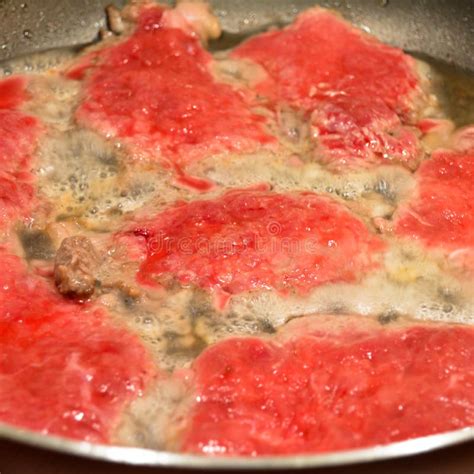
<point x="443" y="29"/>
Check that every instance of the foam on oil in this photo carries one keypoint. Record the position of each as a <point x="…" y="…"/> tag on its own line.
<point x="91" y="182"/>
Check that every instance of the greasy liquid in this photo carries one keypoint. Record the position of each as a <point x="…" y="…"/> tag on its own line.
<point x="94" y="190"/>
<point x="454" y="88"/>
<point x="85" y="176"/>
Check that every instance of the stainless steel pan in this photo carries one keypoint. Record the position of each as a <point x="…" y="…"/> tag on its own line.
<point x="441" y="29"/>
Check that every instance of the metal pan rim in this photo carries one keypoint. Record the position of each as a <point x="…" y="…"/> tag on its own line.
<point x="150" y="457"/>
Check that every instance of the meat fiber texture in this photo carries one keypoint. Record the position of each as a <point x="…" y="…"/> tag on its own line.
<point x="440" y="214"/>
<point x="256" y="239"/>
<point x="360" y="95"/>
<point x="19" y="133"/>
<point x="314" y="389"/>
<point x="64" y="369"/>
<point x="155" y="91"/>
<point x="67" y="369"/>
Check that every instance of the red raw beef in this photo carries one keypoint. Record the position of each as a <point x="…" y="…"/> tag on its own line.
<point x="12" y="92"/>
<point x="254" y="239"/>
<point x="18" y="134"/>
<point x="155" y="91"/>
<point x="441" y="213"/>
<point x="357" y="91"/>
<point x="320" y="391"/>
<point x="18" y="139"/>
<point x="64" y="369"/>
<point x="17" y="197"/>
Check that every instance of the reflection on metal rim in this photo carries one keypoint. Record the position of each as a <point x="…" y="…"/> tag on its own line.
<point x="149" y="457"/>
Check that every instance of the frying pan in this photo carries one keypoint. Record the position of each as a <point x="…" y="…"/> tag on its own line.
<point x="441" y="29"/>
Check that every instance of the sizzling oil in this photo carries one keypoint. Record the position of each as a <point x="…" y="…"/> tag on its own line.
<point x="85" y="175"/>
<point x="93" y="189"/>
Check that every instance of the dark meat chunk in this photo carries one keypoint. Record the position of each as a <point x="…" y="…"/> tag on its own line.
<point x="75" y="266"/>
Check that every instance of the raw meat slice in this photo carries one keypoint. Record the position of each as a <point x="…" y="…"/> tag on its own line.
<point x="321" y="391"/>
<point x="358" y="91"/>
<point x="155" y="91"/>
<point x="18" y="139"/>
<point x="18" y="134"/>
<point x="17" y="198"/>
<point x="12" y="93"/>
<point x="64" y="369"/>
<point x="441" y="213"/>
<point x="256" y="239"/>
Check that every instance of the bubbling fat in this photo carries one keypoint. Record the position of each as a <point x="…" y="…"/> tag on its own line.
<point x="371" y="193"/>
<point x="84" y="175"/>
<point x="180" y="322"/>
<point x="172" y="402"/>
<point x="91" y="187"/>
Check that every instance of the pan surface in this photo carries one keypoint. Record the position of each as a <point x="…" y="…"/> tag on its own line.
<point x="441" y="29"/>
